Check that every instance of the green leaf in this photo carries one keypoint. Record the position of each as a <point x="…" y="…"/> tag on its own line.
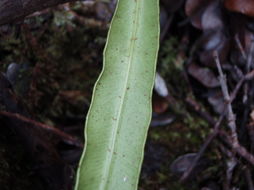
<point x="120" y="112"/>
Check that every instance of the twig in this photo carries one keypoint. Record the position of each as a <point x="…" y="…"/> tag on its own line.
<point x="247" y="69"/>
<point x="237" y="148"/>
<point x="239" y="44"/>
<point x="216" y="125"/>
<point x="203" y="147"/>
<point x="231" y="163"/>
<point x="224" y="88"/>
<point x="250" y="56"/>
<point x="66" y="137"/>
<point x="214" y="132"/>
<point x="234" y="143"/>
<point x="249" y="76"/>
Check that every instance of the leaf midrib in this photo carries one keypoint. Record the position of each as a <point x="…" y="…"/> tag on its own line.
<point x="130" y="56"/>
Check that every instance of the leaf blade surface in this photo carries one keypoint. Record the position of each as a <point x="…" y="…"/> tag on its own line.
<point x="120" y="111"/>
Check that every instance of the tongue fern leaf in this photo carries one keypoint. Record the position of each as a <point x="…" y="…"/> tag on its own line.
<point x="120" y="112"/>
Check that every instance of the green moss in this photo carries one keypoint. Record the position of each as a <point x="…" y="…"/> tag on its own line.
<point x="171" y="65"/>
<point x="64" y="59"/>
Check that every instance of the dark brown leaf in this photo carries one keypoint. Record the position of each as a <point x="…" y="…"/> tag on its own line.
<point x="214" y="40"/>
<point x="204" y="75"/>
<point x="195" y="9"/>
<point x="212" y="17"/>
<point x="183" y="162"/>
<point x="245" y="7"/>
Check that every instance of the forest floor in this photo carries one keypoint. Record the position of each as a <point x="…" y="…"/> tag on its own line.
<point x="51" y="60"/>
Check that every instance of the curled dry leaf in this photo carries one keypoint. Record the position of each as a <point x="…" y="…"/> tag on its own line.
<point x="159" y="101"/>
<point x="207" y="16"/>
<point x="195" y="10"/>
<point x="13" y="72"/>
<point x="183" y="162"/>
<point x="214" y="40"/>
<point x="160" y="86"/>
<point x="204" y="75"/>
<point x="212" y="17"/>
<point x="245" y="7"/>
<point x="161" y="119"/>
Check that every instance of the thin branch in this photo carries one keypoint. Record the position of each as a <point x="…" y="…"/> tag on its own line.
<point x="236" y="147"/>
<point x="203" y="148"/>
<point x="224" y="88"/>
<point x="250" y="57"/>
<point x="249" y="64"/>
<point x="231" y="164"/>
<point x="216" y="125"/>
<point x="234" y="143"/>
<point x="249" y="76"/>
<point x="239" y="44"/>
<point x="66" y="137"/>
<point x="216" y="128"/>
